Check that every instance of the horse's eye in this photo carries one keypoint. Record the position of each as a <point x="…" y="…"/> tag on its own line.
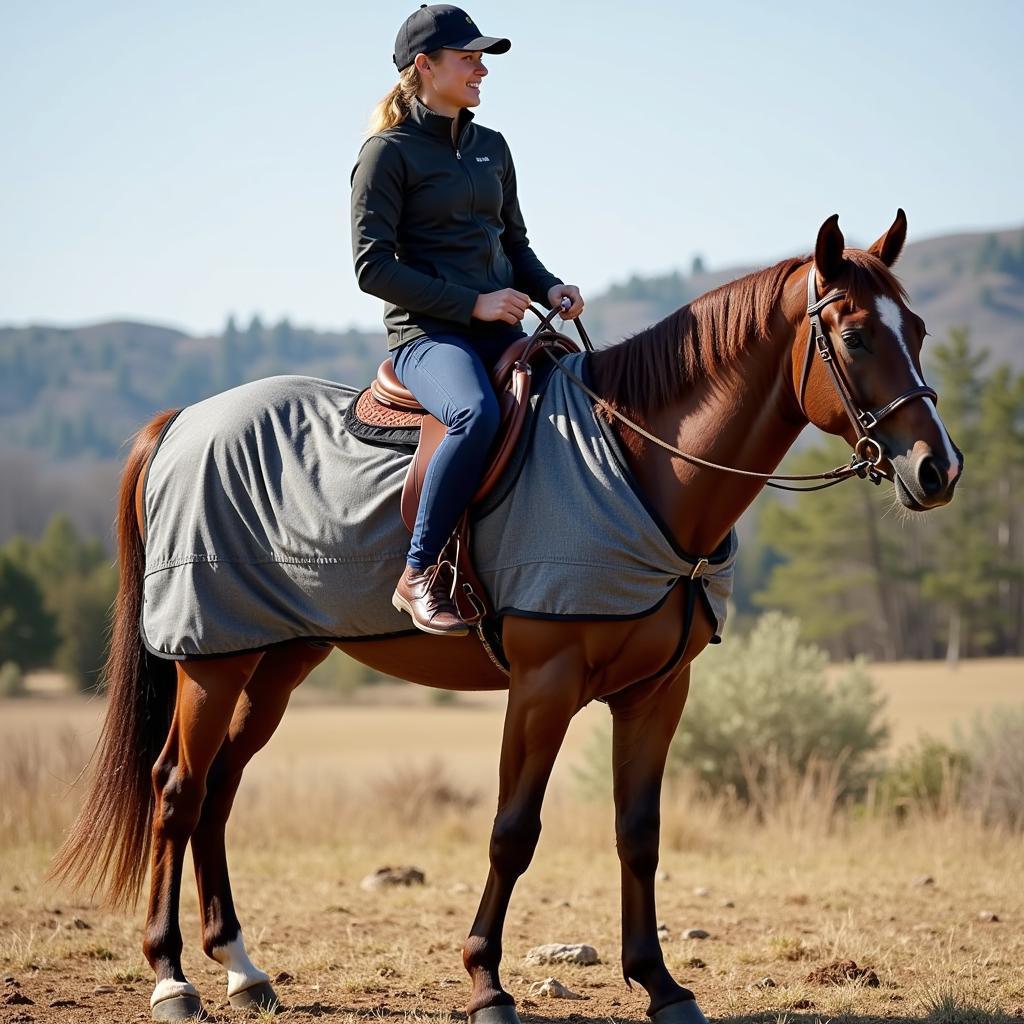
<point x="853" y="339"/>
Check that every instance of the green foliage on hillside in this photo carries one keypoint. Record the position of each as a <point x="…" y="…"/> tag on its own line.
<point x="1001" y="256"/>
<point x="71" y="393"/>
<point x="666" y="291"/>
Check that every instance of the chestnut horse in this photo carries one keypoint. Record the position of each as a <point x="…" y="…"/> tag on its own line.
<point x="730" y="378"/>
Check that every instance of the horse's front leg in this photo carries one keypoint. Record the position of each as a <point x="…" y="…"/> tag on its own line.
<point x="643" y="727"/>
<point x="542" y="701"/>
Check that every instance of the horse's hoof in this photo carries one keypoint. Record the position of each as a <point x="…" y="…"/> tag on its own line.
<point x="259" y="997"/>
<point x="687" y="1012"/>
<point x="181" y="1007"/>
<point x="504" y="1014"/>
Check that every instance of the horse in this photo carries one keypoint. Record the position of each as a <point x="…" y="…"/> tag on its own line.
<point x="705" y="404"/>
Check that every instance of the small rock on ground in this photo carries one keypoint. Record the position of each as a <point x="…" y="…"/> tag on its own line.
<point x="923" y="880"/>
<point x="552" y="988"/>
<point x="701" y="890"/>
<point x="764" y="983"/>
<point x="987" y="915"/>
<point x="727" y="903"/>
<point x="696" y="933"/>
<point x="562" y="953"/>
<point x="838" y="972"/>
<point x="386" y="877"/>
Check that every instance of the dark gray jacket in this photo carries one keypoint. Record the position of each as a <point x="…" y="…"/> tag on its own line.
<point x="449" y="213"/>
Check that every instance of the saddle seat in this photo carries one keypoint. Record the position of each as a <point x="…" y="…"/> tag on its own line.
<point x="388" y="404"/>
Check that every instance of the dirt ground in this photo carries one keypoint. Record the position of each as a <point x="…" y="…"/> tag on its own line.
<point x="327" y="804"/>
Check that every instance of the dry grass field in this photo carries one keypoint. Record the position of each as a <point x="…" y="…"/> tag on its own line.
<point x="346" y="788"/>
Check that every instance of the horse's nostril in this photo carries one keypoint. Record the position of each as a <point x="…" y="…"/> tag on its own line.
<point x="930" y="477"/>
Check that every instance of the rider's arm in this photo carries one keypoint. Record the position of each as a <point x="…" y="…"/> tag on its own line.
<point x="531" y="276"/>
<point x="377" y="188"/>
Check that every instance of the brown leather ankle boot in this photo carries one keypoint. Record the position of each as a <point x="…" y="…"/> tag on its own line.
<point x="424" y="595"/>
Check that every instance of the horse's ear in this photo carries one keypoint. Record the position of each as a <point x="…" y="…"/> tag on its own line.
<point x="828" y="250"/>
<point x="890" y="245"/>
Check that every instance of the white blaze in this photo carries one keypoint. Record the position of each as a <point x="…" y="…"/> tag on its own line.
<point x="891" y="315"/>
<point x="241" y="972"/>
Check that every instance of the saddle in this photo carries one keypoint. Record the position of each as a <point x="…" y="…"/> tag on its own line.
<point x="393" y="413"/>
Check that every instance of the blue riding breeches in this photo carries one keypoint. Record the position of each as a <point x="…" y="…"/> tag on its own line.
<point x="450" y="376"/>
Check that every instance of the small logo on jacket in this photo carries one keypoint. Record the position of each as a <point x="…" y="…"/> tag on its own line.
<point x="483" y="159"/>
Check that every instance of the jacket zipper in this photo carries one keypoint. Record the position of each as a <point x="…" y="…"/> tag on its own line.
<point x="472" y="202"/>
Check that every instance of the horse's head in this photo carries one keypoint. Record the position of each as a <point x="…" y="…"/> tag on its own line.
<point x="858" y="373"/>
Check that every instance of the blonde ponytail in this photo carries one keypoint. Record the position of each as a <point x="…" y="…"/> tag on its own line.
<point x="395" y="106"/>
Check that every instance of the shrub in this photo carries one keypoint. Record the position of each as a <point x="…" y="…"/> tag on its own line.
<point x="12" y="682"/>
<point x="417" y="792"/>
<point x="928" y="775"/>
<point x="765" y="700"/>
<point x="994" y="788"/>
<point x="764" y="724"/>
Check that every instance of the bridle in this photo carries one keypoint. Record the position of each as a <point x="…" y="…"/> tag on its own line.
<point x="868" y="451"/>
<point x="867" y="447"/>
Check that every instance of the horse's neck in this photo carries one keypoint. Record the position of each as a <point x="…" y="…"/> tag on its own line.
<point x="743" y="420"/>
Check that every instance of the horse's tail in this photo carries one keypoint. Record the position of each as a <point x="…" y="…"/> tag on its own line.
<point x="109" y="841"/>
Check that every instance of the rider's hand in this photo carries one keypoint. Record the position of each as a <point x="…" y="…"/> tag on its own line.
<point x="559" y="291"/>
<point x="507" y="304"/>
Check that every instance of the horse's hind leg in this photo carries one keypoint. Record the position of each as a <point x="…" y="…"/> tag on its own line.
<point x="256" y="716"/>
<point x="206" y="698"/>
<point x="643" y="727"/>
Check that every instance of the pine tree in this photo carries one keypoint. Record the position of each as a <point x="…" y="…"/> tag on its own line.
<point x="963" y="568"/>
<point x="27" y="629"/>
<point x="834" y="560"/>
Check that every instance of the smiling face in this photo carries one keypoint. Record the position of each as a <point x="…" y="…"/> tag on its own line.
<point x="877" y="341"/>
<point x="452" y="81"/>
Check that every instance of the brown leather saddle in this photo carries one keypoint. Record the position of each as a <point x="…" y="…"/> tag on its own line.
<point x="389" y="406"/>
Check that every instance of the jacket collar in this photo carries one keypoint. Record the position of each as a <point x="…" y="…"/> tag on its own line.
<point x="437" y="124"/>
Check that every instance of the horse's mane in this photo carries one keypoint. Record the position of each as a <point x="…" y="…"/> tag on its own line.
<point x="699" y="341"/>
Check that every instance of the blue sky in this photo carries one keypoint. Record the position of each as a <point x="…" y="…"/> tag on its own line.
<point x="179" y="162"/>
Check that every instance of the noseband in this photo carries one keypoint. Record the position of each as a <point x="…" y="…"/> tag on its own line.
<point x="867" y="447"/>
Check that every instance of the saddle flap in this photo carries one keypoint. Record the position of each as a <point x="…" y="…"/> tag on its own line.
<point x="432" y="433"/>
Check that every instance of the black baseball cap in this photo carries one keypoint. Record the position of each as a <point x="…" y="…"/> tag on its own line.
<point x="435" y="26"/>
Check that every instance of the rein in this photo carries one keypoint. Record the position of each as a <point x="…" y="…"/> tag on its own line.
<point x="868" y="451"/>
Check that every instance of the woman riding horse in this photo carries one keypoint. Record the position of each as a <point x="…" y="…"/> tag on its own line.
<point x="704" y="404"/>
<point x="439" y="193"/>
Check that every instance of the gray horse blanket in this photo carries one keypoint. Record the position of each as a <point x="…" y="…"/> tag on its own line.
<point x="266" y="520"/>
